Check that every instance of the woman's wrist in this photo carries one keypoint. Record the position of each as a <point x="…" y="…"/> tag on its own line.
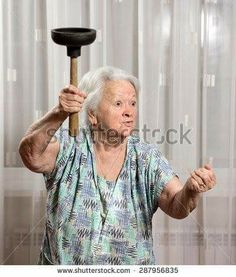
<point x="60" y="112"/>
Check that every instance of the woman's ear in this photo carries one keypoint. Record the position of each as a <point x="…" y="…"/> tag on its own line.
<point x="92" y="117"/>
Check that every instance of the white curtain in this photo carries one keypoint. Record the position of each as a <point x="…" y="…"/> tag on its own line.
<point x="184" y="54"/>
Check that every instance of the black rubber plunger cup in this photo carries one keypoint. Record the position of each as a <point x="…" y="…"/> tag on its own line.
<point x="73" y="39"/>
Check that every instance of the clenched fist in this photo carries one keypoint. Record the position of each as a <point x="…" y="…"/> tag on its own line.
<point x="71" y="99"/>
<point x="201" y="180"/>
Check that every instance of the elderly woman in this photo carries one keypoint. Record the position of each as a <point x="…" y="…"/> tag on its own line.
<point x="104" y="185"/>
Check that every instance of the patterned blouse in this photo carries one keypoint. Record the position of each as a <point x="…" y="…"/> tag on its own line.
<point x="92" y="221"/>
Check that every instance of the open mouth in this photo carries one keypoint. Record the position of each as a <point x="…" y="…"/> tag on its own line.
<point x="128" y="123"/>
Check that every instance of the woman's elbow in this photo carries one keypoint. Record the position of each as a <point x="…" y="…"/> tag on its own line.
<point x="26" y="155"/>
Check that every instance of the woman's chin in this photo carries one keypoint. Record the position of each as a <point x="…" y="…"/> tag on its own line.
<point x="126" y="132"/>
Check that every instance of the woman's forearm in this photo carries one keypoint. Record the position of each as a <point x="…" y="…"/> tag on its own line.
<point x="40" y="133"/>
<point x="184" y="202"/>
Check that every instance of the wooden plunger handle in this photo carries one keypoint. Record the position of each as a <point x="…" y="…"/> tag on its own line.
<point x="73" y="118"/>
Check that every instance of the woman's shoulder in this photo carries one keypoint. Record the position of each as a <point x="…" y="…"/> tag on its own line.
<point x="142" y="147"/>
<point x="78" y="143"/>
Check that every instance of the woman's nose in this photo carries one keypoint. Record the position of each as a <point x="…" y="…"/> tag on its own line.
<point x="128" y="111"/>
<point x="127" y="114"/>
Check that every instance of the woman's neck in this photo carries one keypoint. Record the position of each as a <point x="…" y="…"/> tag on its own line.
<point x="103" y="143"/>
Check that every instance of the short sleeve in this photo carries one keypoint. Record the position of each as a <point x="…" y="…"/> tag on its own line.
<point x="66" y="150"/>
<point x="160" y="173"/>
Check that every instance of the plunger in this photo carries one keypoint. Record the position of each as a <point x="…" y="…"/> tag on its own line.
<point x="73" y="39"/>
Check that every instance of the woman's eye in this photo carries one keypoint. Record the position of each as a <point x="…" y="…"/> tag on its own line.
<point x="118" y="103"/>
<point x="134" y="103"/>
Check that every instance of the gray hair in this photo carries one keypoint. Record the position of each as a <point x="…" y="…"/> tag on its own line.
<point x="93" y="84"/>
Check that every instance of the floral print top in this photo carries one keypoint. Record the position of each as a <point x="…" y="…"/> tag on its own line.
<point x="92" y="221"/>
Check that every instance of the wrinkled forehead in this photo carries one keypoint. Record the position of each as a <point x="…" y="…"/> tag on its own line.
<point x="119" y="88"/>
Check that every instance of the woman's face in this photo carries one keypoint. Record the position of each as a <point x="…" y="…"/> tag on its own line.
<point x="117" y="110"/>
